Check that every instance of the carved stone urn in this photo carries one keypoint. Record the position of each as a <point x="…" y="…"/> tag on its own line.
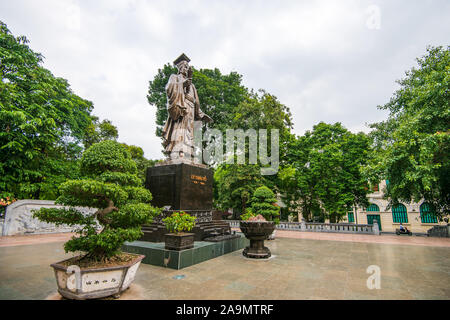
<point x="257" y="232"/>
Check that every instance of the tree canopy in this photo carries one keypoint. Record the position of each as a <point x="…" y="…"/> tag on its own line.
<point x="412" y="147"/>
<point x="44" y="125"/>
<point x="234" y="185"/>
<point x="42" y="122"/>
<point x="322" y="173"/>
<point x="142" y="163"/>
<point x="98" y="131"/>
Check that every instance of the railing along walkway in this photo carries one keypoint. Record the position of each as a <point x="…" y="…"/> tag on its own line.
<point x="320" y="227"/>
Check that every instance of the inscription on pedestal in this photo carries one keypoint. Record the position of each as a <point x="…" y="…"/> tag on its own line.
<point x="199" y="179"/>
<point x="180" y="186"/>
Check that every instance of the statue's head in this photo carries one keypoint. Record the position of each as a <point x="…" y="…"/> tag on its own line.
<point x="183" y="67"/>
<point x="182" y="63"/>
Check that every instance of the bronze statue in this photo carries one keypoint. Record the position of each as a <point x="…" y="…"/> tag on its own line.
<point x="184" y="108"/>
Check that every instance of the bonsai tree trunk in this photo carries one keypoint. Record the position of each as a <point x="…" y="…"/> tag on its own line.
<point x="101" y="214"/>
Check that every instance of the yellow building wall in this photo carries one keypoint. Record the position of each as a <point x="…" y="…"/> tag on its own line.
<point x="414" y="223"/>
<point x="413" y="210"/>
<point x="387" y="225"/>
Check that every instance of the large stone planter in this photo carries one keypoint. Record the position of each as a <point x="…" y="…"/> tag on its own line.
<point x="179" y="241"/>
<point x="257" y="232"/>
<point x="94" y="283"/>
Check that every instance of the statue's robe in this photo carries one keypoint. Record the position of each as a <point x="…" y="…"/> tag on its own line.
<point x="183" y="108"/>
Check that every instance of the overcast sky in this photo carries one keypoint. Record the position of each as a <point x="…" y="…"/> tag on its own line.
<point x="326" y="60"/>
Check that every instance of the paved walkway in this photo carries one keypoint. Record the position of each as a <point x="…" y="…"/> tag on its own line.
<point x="366" y="238"/>
<point x="7" y="241"/>
<point x="299" y="269"/>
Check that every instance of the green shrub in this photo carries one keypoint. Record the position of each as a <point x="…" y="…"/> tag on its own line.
<point x="179" y="222"/>
<point x="264" y="203"/>
<point x="111" y="186"/>
<point x="248" y="214"/>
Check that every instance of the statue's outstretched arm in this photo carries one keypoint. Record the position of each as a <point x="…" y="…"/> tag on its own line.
<point x="199" y="114"/>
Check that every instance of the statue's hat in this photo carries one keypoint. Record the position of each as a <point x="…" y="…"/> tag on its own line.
<point x="181" y="58"/>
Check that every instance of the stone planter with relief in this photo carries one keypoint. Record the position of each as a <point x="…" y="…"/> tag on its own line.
<point x="179" y="241"/>
<point x="178" y="224"/>
<point x="94" y="283"/>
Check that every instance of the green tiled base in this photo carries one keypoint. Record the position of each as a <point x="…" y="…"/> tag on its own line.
<point x="157" y="255"/>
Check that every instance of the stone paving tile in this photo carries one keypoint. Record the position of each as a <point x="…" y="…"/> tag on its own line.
<point x="10" y="293"/>
<point x="446" y="292"/>
<point x="299" y="269"/>
<point x="355" y="295"/>
<point x="305" y="294"/>
<point x="427" y="292"/>
<point x="20" y="240"/>
<point x="324" y="293"/>
<point x="240" y="286"/>
<point x="152" y="294"/>
<point x="362" y="238"/>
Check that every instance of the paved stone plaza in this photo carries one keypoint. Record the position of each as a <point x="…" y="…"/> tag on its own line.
<point x="300" y="269"/>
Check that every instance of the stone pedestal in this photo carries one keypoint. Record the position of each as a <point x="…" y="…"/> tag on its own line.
<point x="181" y="186"/>
<point x="156" y="254"/>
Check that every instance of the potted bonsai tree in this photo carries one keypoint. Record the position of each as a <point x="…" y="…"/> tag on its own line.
<point x="264" y="203"/>
<point x="255" y="224"/>
<point x="179" y="224"/>
<point x="111" y="186"/>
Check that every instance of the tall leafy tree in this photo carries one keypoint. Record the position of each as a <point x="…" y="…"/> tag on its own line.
<point x="236" y="182"/>
<point x="322" y="175"/>
<point x="99" y="131"/>
<point x="262" y="110"/>
<point x="234" y="185"/>
<point x="42" y="122"/>
<point x="142" y="163"/>
<point x="412" y="147"/>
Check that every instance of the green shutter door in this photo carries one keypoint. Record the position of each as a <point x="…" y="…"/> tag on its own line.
<point x="371" y="217"/>
<point x="351" y="216"/>
<point x="399" y="214"/>
<point x="427" y="214"/>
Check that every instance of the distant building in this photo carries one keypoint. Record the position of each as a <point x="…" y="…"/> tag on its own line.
<point x="418" y="217"/>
